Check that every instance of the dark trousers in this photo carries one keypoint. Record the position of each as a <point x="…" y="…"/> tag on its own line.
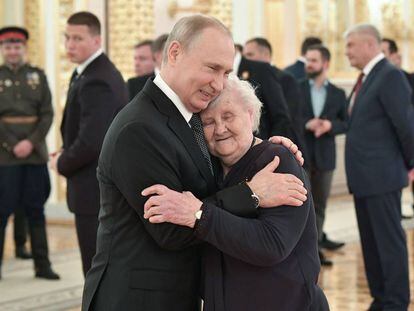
<point x="86" y="229"/>
<point x="26" y="186"/>
<point x="20" y="227"/>
<point x="321" y="182"/>
<point x="384" y="249"/>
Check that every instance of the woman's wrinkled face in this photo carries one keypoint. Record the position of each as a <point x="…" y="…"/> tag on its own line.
<point x="228" y="128"/>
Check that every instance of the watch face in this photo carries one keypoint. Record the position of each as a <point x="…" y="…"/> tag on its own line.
<point x="256" y="200"/>
<point x="198" y="214"/>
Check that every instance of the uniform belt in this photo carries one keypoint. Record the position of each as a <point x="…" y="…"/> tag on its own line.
<point x="19" y="120"/>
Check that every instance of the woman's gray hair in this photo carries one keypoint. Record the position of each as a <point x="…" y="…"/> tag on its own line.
<point x="188" y="29"/>
<point x="243" y="91"/>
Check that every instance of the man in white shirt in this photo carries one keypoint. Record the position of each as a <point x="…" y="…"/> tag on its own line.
<point x="379" y="151"/>
<point x="96" y="93"/>
<point x="155" y="140"/>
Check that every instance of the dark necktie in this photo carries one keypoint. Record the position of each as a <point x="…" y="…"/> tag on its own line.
<point x="357" y="88"/>
<point x="73" y="78"/>
<point x="197" y="128"/>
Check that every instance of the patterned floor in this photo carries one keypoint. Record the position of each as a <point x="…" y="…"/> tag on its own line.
<point x="344" y="283"/>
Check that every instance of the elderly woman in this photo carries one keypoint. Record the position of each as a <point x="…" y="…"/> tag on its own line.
<point x="265" y="263"/>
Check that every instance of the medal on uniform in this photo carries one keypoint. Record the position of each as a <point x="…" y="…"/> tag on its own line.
<point x="245" y="75"/>
<point x="8" y="83"/>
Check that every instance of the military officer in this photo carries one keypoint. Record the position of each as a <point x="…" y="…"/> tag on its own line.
<point x="25" y="117"/>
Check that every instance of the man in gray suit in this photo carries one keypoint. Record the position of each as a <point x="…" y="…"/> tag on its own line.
<point x="379" y="153"/>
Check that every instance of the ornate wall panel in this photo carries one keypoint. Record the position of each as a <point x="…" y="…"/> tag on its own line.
<point x="64" y="68"/>
<point x="33" y="21"/>
<point x="222" y="10"/>
<point x="361" y="11"/>
<point x="274" y="21"/>
<point x="128" y="23"/>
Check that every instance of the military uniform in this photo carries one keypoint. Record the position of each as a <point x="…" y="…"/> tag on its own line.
<point x="26" y="113"/>
<point x="24" y="93"/>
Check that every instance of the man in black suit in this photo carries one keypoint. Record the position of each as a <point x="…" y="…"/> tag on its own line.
<point x="379" y="151"/>
<point x="275" y="118"/>
<point x="157" y="139"/>
<point x="325" y="116"/>
<point x="96" y="93"/>
<point x="260" y="49"/>
<point x="390" y="49"/>
<point x="135" y="85"/>
<point x="297" y="69"/>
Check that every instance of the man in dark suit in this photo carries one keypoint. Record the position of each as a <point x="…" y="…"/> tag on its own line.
<point x="275" y="118"/>
<point x="135" y="85"/>
<point x="325" y="116"/>
<point x="297" y="69"/>
<point x="260" y="49"/>
<point x="379" y="151"/>
<point x="390" y="49"/>
<point x="96" y="93"/>
<point x="158" y="138"/>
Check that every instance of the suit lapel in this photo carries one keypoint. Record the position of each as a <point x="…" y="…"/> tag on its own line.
<point x="367" y="83"/>
<point x="181" y="129"/>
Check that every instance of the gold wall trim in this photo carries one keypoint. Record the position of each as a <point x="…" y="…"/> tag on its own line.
<point x="64" y="68"/>
<point x="128" y="24"/>
<point x="34" y="22"/>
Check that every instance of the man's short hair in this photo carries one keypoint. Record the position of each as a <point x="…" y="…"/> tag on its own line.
<point x="143" y="43"/>
<point x="392" y="45"/>
<point x="263" y="43"/>
<point x="325" y="54"/>
<point x="188" y="29"/>
<point x="159" y="43"/>
<point x="238" y="47"/>
<point x="309" y="41"/>
<point x="87" y="19"/>
<point x="366" y="29"/>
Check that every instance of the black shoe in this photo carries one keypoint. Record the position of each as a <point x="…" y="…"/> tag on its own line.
<point x="22" y="252"/>
<point x="324" y="262"/>
<point x="330" y="245"/>
<point x="47" y="273"/>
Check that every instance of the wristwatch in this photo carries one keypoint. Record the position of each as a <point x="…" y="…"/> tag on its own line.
<point x="198" y="214"/>
<point x="256" y="200"/>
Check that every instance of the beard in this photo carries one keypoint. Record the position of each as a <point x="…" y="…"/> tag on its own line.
<point x="313" y="74"/>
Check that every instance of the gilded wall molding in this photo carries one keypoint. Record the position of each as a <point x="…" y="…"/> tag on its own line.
<point x="223" y="11"/>
<point x="128" y="23"/>
<point x="33" y="21"/>
<point x="361" y="12"/>
<point x="64" y="68"/>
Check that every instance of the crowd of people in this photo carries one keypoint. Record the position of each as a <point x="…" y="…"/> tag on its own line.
<point x="213" y="181"/>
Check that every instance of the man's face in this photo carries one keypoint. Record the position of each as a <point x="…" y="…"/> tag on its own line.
<point x="315" y="65"/>
<point x="80" y="43"/>
<point x="358" y="50"/>
<point x="202" y="68"/>
<point x="13" y="53"/>
<point x="252" y="51"/>
<point x="143" y="60"/>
